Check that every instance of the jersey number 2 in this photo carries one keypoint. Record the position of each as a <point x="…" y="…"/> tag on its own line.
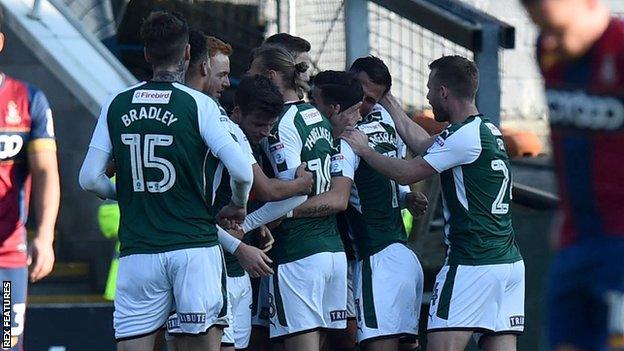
<point x="146" y="159"/>
<point x="499" y="207"/>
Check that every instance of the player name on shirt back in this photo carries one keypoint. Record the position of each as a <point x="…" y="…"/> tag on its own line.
<point x="318" y="133"/>
<point x="155" y="113"/>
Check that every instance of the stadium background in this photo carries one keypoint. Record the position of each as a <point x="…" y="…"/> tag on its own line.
<point x="79" y="51"/>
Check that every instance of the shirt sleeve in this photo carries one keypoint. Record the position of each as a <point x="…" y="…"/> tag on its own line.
<point x="244" y="143"/>
<point x="285" y="151"/>
<point x="42" y="128"/>
<point x="344" y="162"/>
<point x="101" y="137"/>
<point x="209" y="114"/>
<point x="452" y="149"/>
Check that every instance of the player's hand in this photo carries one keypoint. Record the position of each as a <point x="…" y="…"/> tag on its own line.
<point x="305" y="178"/>
<point x="253" y="260"/>
<point x="266" y="239"/>
<point x="388" y="101"/>
<point x="236" y="232"/>
<point x="356" y="139"/>
<point x="416" y="203"/>
<point x="231" y="216"/>
<point x="346" y="118"/>
<point x="40" y="259"/>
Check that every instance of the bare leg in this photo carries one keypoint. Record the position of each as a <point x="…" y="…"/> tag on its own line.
<point x="405" y="346"/>
<point x="159" y="340"/>
<point x="506" y="342"/>
<point x="448" y="340"/>
<point x="383" y="345"/>
<point x="304" y="342"/>
<point x="342" y="339"/>
<point x="144" y="343"/>
<point x="259" y="340"/>
<point x="211" y="341"/>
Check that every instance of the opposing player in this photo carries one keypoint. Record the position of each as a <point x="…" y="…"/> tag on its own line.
<point x="162" y="137"/>
<point x="581" y="55"/>
<point x="27" y="151"/>
<point x="374" y="218"/>
<point x="304" y="247"/>
<point x="219" y="53"/>
<point x="480" y="289"/>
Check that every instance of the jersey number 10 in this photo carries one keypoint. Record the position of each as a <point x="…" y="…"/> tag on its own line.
<point x="322" y="174"/>
<point x="141" y="159"/>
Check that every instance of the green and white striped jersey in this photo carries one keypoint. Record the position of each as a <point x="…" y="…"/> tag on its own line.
<point x="374" y="213"/>
<point x="164" y="141"/>
<point x="222" y="190"/>
<point x="303" y="135"/>
<point x="476" y="187"/>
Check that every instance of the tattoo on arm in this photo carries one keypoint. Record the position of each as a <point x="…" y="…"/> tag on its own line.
<point x="318" y="211"/>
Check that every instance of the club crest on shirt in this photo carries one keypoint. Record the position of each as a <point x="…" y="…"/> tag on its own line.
<point x="12" y="115"/>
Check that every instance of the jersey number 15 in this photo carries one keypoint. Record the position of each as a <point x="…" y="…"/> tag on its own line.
<point x="141" y="159"/>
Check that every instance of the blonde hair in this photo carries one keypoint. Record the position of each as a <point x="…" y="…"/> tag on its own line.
<point x="278" y="59"/>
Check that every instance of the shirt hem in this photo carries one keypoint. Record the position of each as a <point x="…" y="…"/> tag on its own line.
<point x="168" y="248"/>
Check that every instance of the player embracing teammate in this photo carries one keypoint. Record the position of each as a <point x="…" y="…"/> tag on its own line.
<point x="183" y="166"/>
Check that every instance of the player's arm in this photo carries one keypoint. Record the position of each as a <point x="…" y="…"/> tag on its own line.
<point x="330" y="202"/>
<point x="43" y="167"/>
<point x="416" y="138"/>
<point x="252" y="259"/>
<point x="343" y="165"/>
<point x="271" y="211"/>
<point x="271" y="189"/>
<point x="93" y="176"/>
<point x="462" y="147"/>
<point x="222" y="145"/>
<point x="283" y="150"/>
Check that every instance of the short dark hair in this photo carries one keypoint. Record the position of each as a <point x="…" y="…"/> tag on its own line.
<point x="376" y="70"/>
<point x="339" y="87"/>
<point x="458" y="74"/>
<point x="294" y="45"/>
<point x="199" y="46"/>
<point x="257" y="94"/>
<point x="165" y="35"/>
